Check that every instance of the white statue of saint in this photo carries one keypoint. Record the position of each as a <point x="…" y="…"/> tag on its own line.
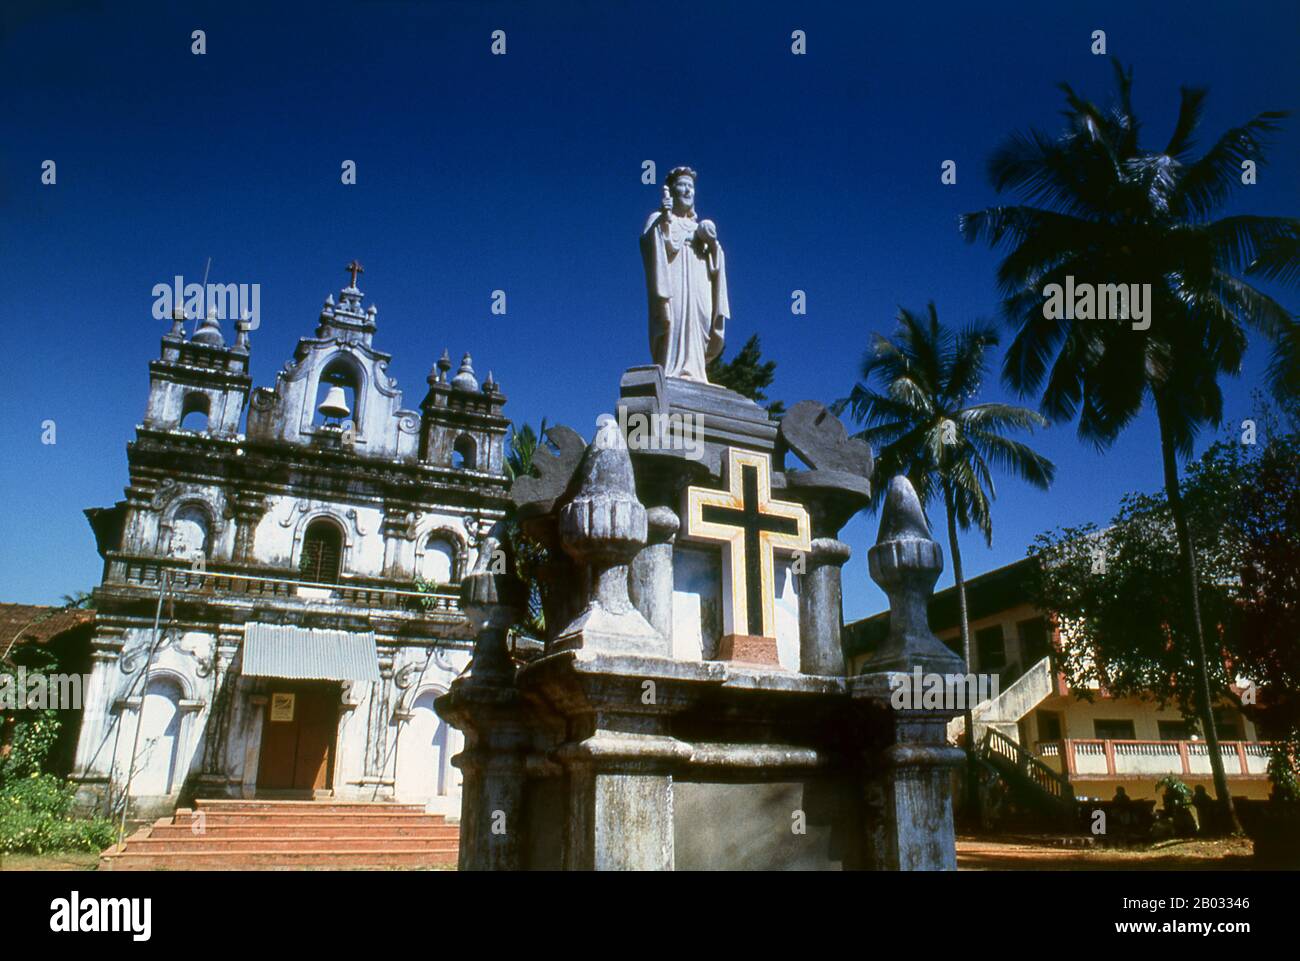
<point x="686" y="281"/>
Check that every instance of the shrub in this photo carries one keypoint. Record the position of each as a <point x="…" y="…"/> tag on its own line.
<point x="1281" y="771"/>
<point x="35" y="818"/>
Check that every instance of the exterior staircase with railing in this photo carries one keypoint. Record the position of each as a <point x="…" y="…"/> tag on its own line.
<point x="1032" y="782"/>
<point x="1003" y="712"/>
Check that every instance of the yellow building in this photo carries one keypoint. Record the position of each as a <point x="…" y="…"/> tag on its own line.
<point x="1097" y="743"/>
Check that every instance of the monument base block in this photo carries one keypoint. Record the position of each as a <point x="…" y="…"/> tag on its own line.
<point x="749" y="649"/>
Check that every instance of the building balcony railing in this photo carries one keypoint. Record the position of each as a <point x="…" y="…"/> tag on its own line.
<point x="223" y="579"/>
<point x="1081" y="759"/>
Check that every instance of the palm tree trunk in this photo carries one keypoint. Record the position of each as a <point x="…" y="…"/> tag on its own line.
<point x="972" y="781"/>
<point x="1187" y="558"/>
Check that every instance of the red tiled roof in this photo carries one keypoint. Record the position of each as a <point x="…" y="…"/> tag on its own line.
<point x="37" y="624"/>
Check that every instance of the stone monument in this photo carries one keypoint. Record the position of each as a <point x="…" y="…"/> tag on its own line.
<point x="690" y="707"/>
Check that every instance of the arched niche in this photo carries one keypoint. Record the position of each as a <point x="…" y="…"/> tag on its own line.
<point x="191" y="531"/>
<point x="425" y="744"/>
<point x="196" y="412"/>
<point x="464" y="453"/>
<point x="160" y="748"/>
<point x="439" y="549"/>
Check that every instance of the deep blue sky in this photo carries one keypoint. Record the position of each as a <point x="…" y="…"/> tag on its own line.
<point x="522" y="173"/>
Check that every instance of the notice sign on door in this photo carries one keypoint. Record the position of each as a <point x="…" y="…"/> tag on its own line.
<point x="282" y="707"/>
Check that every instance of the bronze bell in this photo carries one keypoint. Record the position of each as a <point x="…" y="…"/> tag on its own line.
<point x="335" y="404"/>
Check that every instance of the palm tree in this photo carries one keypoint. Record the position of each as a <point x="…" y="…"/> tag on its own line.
<point x="1112" y="213"/>
<point x="923" y="425"/>
<point x="520" y="447"/>
<point x="528" y="555"/>
<point x="78" y="601"/>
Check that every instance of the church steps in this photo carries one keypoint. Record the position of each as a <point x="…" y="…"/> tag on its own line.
<point x="284" y="860"/>
<point x="215" y="806"/>
<point x="429" y="832"/>
<point x="266" y="835"/>
<point x="205" y="845"/>
<point x="299" y="819"/>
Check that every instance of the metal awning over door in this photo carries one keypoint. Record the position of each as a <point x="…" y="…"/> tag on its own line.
<point x="300" y="653"/>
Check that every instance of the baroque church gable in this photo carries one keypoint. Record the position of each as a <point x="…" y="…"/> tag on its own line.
<point x="309" y="568"/>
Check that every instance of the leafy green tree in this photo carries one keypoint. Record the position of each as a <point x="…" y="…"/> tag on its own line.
<point x="748" y="374"/>
<point x="922" y="424"/>
<point x="1117" y="589"/>
<point x="1101" y="210"/>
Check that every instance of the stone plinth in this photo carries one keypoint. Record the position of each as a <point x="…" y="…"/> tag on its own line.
<point x="723" y="417"/>
<point x="619" y="750"/>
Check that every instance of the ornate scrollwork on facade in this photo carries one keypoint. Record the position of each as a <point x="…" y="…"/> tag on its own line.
<point x="355" y="518"/>
<point x="295" y="513"/>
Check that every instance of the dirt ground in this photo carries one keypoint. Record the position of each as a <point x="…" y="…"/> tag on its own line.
<point x="973" y="854"/>
<point x="63" y="861"/>
<point x="992" y="854"/>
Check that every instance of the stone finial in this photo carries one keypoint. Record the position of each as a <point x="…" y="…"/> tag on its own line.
<point x="209" y="331"/>
<point x="604" y="516"/>
<point x="178" y="324"/>
<point x="906" y="562"/>
<point x="465" y="379"/>
<point x="493" y="599"/>
<point x="443" y="366"/>
<point x="242" y="328"/>
<point x="603" y="527"/>
<point x="490" y="385"/>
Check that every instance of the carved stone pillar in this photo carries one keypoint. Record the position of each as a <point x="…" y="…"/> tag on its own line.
<point x="650" y="583"/>
<point x="909" y="789"/>
<point x="248" y="509"/>
<point x="485" y="705"/>
<point x="398" y="532"/>
<point x="820" y="609"/>
<point x="216" y="769"/>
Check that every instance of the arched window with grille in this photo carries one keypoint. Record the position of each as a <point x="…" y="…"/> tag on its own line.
<point x="322" y="552"/>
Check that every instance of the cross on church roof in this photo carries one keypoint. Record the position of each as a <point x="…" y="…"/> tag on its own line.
<point x="752" y="525"/>
<point x="355" y="269"/>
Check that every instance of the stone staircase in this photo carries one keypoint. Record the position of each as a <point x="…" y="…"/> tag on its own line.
<point x="1004" y="711"/>
<point x="271" y="835"/>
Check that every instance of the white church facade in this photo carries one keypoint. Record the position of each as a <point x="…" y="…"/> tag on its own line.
<point x="298" y="549"/>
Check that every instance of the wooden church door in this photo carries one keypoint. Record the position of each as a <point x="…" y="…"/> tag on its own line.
<point x="298" y="738"/>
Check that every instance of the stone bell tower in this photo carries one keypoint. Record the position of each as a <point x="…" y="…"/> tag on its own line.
<point x="199" y="383"/>
<point x="461" y="423"/>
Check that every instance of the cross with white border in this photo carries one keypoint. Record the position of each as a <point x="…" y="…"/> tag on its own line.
<point x="753" y="526"/>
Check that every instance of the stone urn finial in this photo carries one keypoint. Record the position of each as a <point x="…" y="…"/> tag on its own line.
<point x="906" y="562"/>
<point x="604" y="521"/>
<point x="603" y="527"/>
